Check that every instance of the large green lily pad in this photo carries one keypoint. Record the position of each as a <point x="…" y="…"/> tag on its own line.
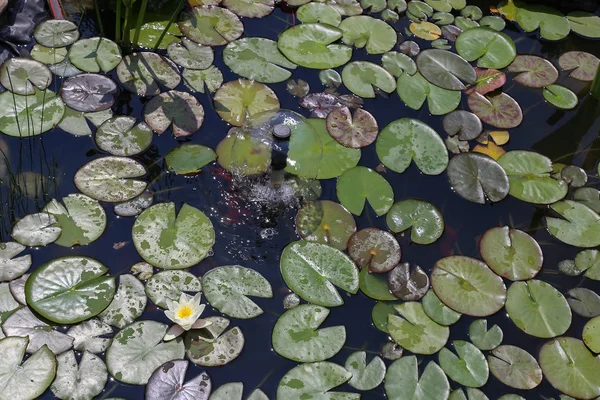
<point x="424" y="218"/>
<point x="373" y="34"/>
<point x="491" y="49"/>
<point x="414" y="90"/>
<point x="402" y="381"/>
<point x="315" y="380"/>
<point x="360" y="184"/>
<point x="24" y="76"/>
<point x="363" y="78"/>
<point x="95" y="54"/>
<point x="578" y="226"/>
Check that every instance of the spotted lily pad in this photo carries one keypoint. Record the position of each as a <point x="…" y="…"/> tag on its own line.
<point x="23" y="116"/>
<point x="365" y="376"/>
<point x="327" y="222"/>
<point x="560" y="97"/>
<point x="168" y="285"/>
<point x="257" y="59"/>
<point x="296" y="335"/>
<point x="425" y="220"/>
<point x="167" y="382"/>
<point x="315" y="380"/>
<point x="95" y="54"/>
<point x="88" y="334"/>
<point x="178" y="109"/>
<point x="477" y="177"/>
<point x="24" y="76"/>
<point x="82" y="380"/>
<point x="127" y="305"/>
<point x="203" y="80"/>
<point x="582" y="65"/>
<point x="120" y="136"/>
<point x="56" y="33"/>
<point x="499" y="110"/>
<point x="415" y="331"/>
<point x="147" y="73"/>
<point x="375" y="249"/>
<point x="360" y="184"/>
<point x="213" y="346"/>
<point x="11" y="266"/>
<point x="77" y="123"/>
<point x="490" y="48"/>
<point x="483" y="338"/>
<point x="89" y="92"/>
<point x="235" y="101"/>
<point x="402" y="381"/>
<point x="445" y="69"/>
<point x="355" y="131"/>
<point x="578" y="225"/>
<point x="469" y="368"/>
<point x="171" y="241"/>
<point x="515" y="367"/>
<point x="190" y="54"/>
<point x="534" y="71"/>
<point x="373" y="34"/>
<point x="211" y="25"/>
<point x="38" y="229"/>
<point x="414" y="90"/>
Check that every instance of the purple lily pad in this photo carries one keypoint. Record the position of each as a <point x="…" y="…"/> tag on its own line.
<point x="406" y="284"/>
<point x="375" y="249"/>
<point x="582" y="65"/>
<point x="351" y="131"/>
<point x="534" y="71"/>
<point x="320" y="104"/>
<point x="499" y="110"/>
<point x="89" y="92"/>
<point x="487" y="81"/>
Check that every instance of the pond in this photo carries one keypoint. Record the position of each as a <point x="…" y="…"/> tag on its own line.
<point x="261" y="217"/>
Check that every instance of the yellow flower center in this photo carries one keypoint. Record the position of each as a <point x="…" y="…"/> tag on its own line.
<point x="184" y="311"/>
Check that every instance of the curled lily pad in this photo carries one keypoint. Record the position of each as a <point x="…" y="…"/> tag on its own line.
<point x="582" y="65"/>
<point x="38" y="229"/>
<point x="467" y="125"/>
<point x="483" y="338"/>
<point x="499" y="110"/>
<point x="312" y="46"/>
<point x="365" y="376"/>
<point x="178" y="109"/>
<point x="319" y="12"/>
<point x="189" y="158"/>
<point x="375" y="249"/>
<point x="425" y="220"/>
<point x="515" y="367"/>
<point x="211" y="25"/>
<point x="89" y="92"/>
<point x="127" y="305"/>
<point x="591" y="333"/>
<point x="327" y="222"/>
<point x="312" y="269"/>
<point x="88" y="334"/>
<point x="235" y="101"/>
<point x="56" y="33"/>
<point x="477" y="177"/>
<point x="534" y="71"/>
<point x="553" y="24"/>
<point x="438" y="311"/>
<point x="578" y="225"/>
<point x="355" y="131"/>
<point x="584" y="302"/>
<point x="23" y="76"/>
<point x="79" y="381"/>
<point x="570" y="367"/>
<point x="203" y="80"/>
<point x="171" y="241"/>
<point x="415" y="331"/>
<point x="407" y="139"/>
<point x="23" y="116"/>
<point x="70" y="289"/>
<point x="511" y="253"/>
<point x="363" y="78"/>
<point x="402" y="381"/>
<point x="408" y="283"/>
<point x="560" y="97"/>
<point x="95" y="54"/>
<point x="315" y="380"/>
<point x="257" y="59"/>
<point x="190" y="54"/>
<point x="147" y="73"/>
<point x="490" y="48"/>
<point x="11" y="266"/>
<point x="414" y="90"/>
<point x="445" y="69"/>
<point x="168" y="285"/>
<point x="213" y="346"/>
<point x="120" y="136"/>
<point x="17" y="289"/>
<point x="167" y="382"/>
<point x="469" y="368"/>
<point x="538" y="309"/>
<point x="360" y="184"/>
<point x="487" y="81"/>
<point x="468" y="286"/>
<point x="374" y="35"/>
<point x="111" y="179"/>
<point x="296" y="335"/>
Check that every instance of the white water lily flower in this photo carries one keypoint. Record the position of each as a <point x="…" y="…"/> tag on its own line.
<point x="185" y="314"/>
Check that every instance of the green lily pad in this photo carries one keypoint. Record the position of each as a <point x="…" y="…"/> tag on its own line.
<point x="578" y="225"/>
<point x="407" y="139"/>
<point x="238" y="100"/>
<point x="326" y="222"/>
<point x="589" y="261"/>
<point x="494" y="22"/>
<point x="560" y="97"/>
<point x="191" y="55"/>
<point x="490" y="48"/>
<point x="469" y="368"/>
<point x="365" y="376"/>
<point x="168" y="285"/>
<point x="374" y="249"/>
<point x="23" y="116"/>
<point x="24" y="76"/>
<point x="171" y="241"/>
<point x="534" y="71"/>
<point x="318" y="12"/>
<point x="447" y="5"/>
<point x="360" y="184"/>
<point x="48" y="55"/>
<point x="315" y="380"/>
<point x="111" y="179"/>
<point x="11" y="266"/>
<point x="179" y="110"/>
<point x="257" y="59"/>
<point x="70" y="289"/>
<point x="147" y="73"/>
<point x="402" y="381"/>
<point x="381" y="311"/>
<point x="127" y="305"/>
<point x="88" y="334"/>
<point x="137" y="350"/>
<point x="243" y="154"/>
<point x="81" y="219"/>
<point x="552" y="23"/>
<point x="538" y="309"/>
<point x="570" y="367"/>
<point x="415" y="331"/>
<point x="56" y="33"/>
<point x="373" y="34"/>
<point x="511" y="253"/>
<point x="515" y="367"/>
<point x="312" y="46"/>
<point x="189" y="158"/>
<point x="168" y="382"/>
<point x="25" y="379"/>
<point x="584" y="23"/>
<point x="589" y="197"/>
<point x="250" y="8"/>
<point x="76" y="122"/>
<point x="363" y="78"/>
<point x="79" y="381"/>
<point x="582" y="65"/>
<point x="468" y="286"/>
<point x="213" y="346"/>
<point x="584" y="302"/>
<point x="95" y="54"/>
<point x="445" y="69"/>
<point x="296" y="335"/>
<point x="375" y="286"/>
<point x="483" y="338"/>
<point x="414" y="90"/>
<point x="38" y="229"/>
<point x="203" y="80"/>
<point x="312" y="269"/>
<point x="591" y="334"/>
<point x="425" y="30"/>
<point x="529" y="176"/>
<point x="355" y="131"/>
<point x="120" y="136"/>
<point x="397" y="63"/>
<point x="499" y="110"/>
<point x="423" y="217"/>
<point x="478" y="177"/>
<point x="211" y="25"/>
<point x="438" y="311"/>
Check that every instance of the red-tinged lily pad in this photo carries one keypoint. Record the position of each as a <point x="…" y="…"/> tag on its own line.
<point x="327" y="222"/>
<point x="487" y="81"/>
<point x="89" y="92"/>
<point x="515" y="367"/>
<point x="408" y="284"/>
<point x="179" y="109"/>
<point x="534" y="71"/>
<point x="499" y="110"/>
<point x="375" y="249"/>
<point x="582" y="65"/>
<point x="355" y="131"/>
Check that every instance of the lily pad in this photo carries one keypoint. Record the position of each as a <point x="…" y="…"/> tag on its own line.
<point x="111" y="179"/>
<point x="415" y="331"/>
<point x="423" y="217"/>
<point x="468" y="286"/>
<point x="127" y="305"/>
<point x="326" y="222"/>
<point x="70" y="289"/>
<point x="11" y="266"/>
<point x="487" y="81"/>
<point x="147" y="73"/>
<point x="8" y="304"/>
<point x="56" y="33"/>
<point x="88" y="334"/>
<point x="167" y="382"/>
<point x="402" y="381"/>
<point x="296" y="335"/>
<point x="76" y="122"/>
<point x="203" y="80"/>
<point x="312" y="269"/>
<point x="408" y="283"/>
<point x="467" y="125"/>
<point x="257" y="59"/>
<point x="23" y="116"/>
<point x="534" y="71"/>
<point x="211" y="25"/>
<point x="79" y="381"/>
<point x="315" y="380"/>
<point x="365" y="376"/>
<point x="538" y="309"/>
<point x="191" y="55"/>
<point x="478" y="177"/>
<point x="584" y="23"/>
<point x="515" y="367"/>
<point x="408" y="139"/>
<point x="355" y="131"/>
<point x="397" y="63"/>
<point x="483" y="338"/>
<point x="120" y="136"/>
<point x="375" y="249"/>
<point x="168" y="285"/>
<point x="238" y="100"/>
<point x="469" y="368"/>
<point x="552" y="23"/>
<point x="137" y="350"/>
<point x="375" y="286"/>
<point x="38" y="229"/>
<point x="425" y="30"/>
<point x="363" y="78"/>
<point x="318" y="12"/>
<point x="213" y="346"/>
<point x="312" y="46"/>
<point x="89" y="92"/>
<point x="64" y="69"/>
<point x="189" y="158"/>
<point x="243" y="154"/>
<point x="438" y="311"/>
<point x="171" y="241"/>
<point x="95" y="54"/>
<point x="578" y="225"/>
<point x="582" y="65"/>
<point x="360" y="184"/>
<point x="445" y="69"/>
<point x="414" y="90"/>
<point x="511" y="253"/>
<point x="179" y="110"/>
<point x="24" y="76"/>
<point x="589" y="261"/>
<point x="499" y="110"/>
<point x="560" y="97"/>
<point x="373" y="34"/>
<point x="380" y="313"/>
<point x="490" y="48"/>
<point x="584" y="302"/>
<point x="591" y="333"/>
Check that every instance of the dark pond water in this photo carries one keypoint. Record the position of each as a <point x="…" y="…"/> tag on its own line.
<point x="253" y="234"/>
